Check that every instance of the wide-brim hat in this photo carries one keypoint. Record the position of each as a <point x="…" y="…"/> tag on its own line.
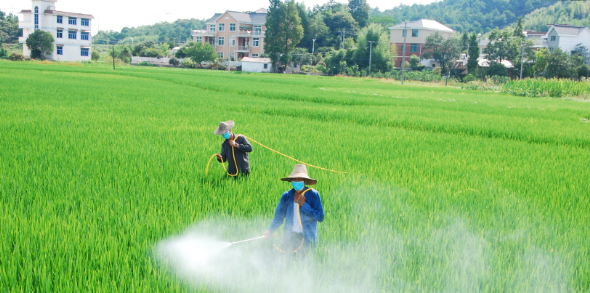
<point x="300" y="172"/>
<point x="224" y="127"/>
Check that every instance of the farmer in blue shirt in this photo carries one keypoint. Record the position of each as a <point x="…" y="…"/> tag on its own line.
<point x="301" y="209"/>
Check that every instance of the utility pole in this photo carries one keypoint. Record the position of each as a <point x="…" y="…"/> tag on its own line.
<point x="113" y="56"/>
<point x="313" y="46"/>
<point x="404" y="52"/>
<point x="228" y="56"/>
<point x="521" y="57"/>
<point x="370" y="55"/>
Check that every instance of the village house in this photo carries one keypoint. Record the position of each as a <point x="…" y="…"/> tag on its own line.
<point x="70" y="30"/>
<point x="415" y="34"/>
<point x="566" y="37"/>
<point x="237" y="34"/>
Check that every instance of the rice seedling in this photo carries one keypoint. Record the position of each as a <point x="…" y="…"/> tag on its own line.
<point x="449" y="190"/>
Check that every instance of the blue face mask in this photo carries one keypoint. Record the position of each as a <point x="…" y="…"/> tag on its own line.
<point x="297" y="185"/>
<point x="226" y="135"/>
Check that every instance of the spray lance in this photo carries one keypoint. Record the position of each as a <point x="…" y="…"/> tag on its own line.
<point x="252" y="239"/>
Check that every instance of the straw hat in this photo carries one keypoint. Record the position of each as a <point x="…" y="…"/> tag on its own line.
<point x="224" y="127"/>
<point x="300" y="172"/>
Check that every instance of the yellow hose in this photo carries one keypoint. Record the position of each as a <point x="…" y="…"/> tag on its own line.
<point x="237" y="169"/>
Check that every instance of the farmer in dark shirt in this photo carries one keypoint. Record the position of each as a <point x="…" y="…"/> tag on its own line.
<point x="234" y="150"/>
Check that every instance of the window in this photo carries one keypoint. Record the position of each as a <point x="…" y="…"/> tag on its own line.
<point x="84" y="36"/>
<point x="199" y="39"/>
<point x="84" y="52"/>
<point x="85" y="22"/>
<point x="414" y="33"/>
<point x="72" y="20"/>
<point x="60" y="50"/>
<point x="551" y="49"/>
<point x="403" y="48"/>
<point x="232" y="56"/>
<point x="232" y="27"/>
<point x="72" y="35"/>
<point x="255" y="42"/>
<point x="36" y="17"/>
<point x="220" y="41"/>
<point x="220" y="54"/>
<point x="254" y="55"/>
<point x="257" y="29"/>
<point x="212" y="27"/>
<point x="414" y="48"/>
<point x="265" y="65"/>
<point x="222" y="27"/>
<point x="404" y="33"/>
<point x="60" y="19"/>
<point x="552" y="38"/>
<point x="60" y="34"/>
<point x="232" y="42"/>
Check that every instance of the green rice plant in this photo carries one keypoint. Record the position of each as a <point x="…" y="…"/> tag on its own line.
<point x="448" y="190"/>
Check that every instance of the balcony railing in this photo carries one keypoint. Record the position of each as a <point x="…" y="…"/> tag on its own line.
<point x="203" y="33"/>
<point x="243" y="49"/>
<point x="246" y="33"/>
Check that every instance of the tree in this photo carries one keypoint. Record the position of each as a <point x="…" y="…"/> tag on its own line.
<point x="200" y="52"/>
<point x="318" y="29"/>
<point x="283" y="30"/>
<point x="558" y="65"/>
<point x="582" y="51"/>
<point x="473" y="53"/>
<point x="540" y="62"/>
<point x="380" y="55"/>
<point x="500" y="47"/>
<point x="94" y="56"/>
<point x="9" y="30"/>
<point x="359" y="9"/>
<point x="40" y="43"/>
<point x="444" y="51"/>
<point x="518" y="31"/>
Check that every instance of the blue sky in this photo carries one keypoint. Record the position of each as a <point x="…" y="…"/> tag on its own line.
<point x="116" y="14"/>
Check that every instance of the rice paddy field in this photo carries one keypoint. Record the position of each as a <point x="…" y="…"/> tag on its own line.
<point x="447" y="190"/>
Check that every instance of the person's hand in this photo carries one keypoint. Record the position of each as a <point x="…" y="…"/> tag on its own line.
<point x="218" y="156"/>
<point x="233" y="143"/>
<point x="300" y="199"/>
<point x="267" y="234"/>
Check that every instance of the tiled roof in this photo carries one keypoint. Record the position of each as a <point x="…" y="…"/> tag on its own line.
<point x="243" y="17"/>
<point x="214" y="18"/>
<point x="424" y="24"/>
<point x="568" y="30"/>
<point x="68" y="13"/>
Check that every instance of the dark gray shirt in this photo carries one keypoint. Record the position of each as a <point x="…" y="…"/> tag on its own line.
<point x="241" y="153"/>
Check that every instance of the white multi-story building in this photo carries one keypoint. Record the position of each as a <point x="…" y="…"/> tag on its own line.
<point x="566" y="37"/>
<point x="71" y="31"/>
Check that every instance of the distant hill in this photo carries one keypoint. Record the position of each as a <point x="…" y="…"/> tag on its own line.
<point x="467" y="15"/>
<point x="176" y="32"/>
<point x="569" y="12"/>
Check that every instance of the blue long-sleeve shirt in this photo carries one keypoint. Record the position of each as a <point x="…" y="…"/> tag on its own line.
<point x="311" y="213"/>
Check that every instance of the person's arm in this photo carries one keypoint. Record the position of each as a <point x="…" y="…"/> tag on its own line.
<point x="313" y="206"/>
<point x="280" y="213"/>
<point x="221" y="157"/>
<point x="243" y="144"/>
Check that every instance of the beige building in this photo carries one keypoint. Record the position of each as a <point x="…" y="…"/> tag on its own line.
<point x="415" y="33"/>
<point x="237" y="34"/>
